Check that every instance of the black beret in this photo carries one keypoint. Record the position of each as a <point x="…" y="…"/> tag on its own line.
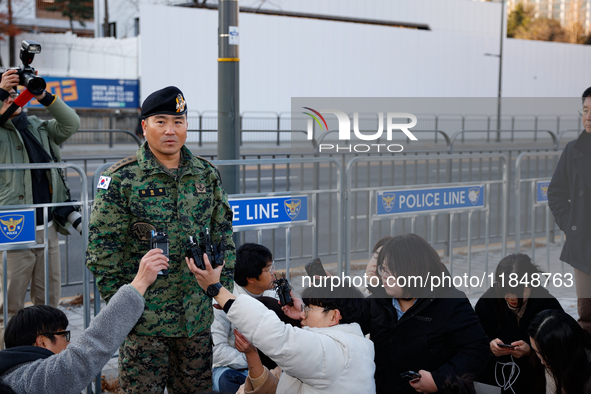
<point x="167" y="101"/>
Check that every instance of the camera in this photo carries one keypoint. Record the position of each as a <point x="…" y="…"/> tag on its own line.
<point x="215" y="253"/>
<point x="282" y="287"/>
<point x="314" y="267"/>
<point x="69" y="214"/>
<point x="27" y="74"/>
<point x="160" y="240"/>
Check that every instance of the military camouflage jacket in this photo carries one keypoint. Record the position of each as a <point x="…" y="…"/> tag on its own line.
<point x="135" y="197"/>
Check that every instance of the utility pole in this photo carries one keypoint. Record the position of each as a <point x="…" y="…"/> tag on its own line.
<point x="503" y="34"/>
<point x="106" y="32"/>
<point x="11" y="60"/>
<point x="228" y="93"/>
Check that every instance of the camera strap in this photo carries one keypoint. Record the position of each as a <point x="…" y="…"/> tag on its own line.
<point x="32" y="144"/>
<point x="20" y="101"/>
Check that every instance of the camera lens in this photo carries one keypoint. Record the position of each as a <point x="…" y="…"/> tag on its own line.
<point x="35" y="84"/>
<point x="75" y="218"/>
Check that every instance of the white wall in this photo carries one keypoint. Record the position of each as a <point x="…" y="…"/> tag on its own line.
<point x="69" y="55"/>
<point x="284" y="57"/>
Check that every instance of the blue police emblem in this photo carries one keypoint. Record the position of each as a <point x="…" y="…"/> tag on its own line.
<point x="12" y="225"/>
<point x="292" y="207"/>
<point x="473" y="195"/>
<point x="388" y="200"/>
<point x="544" y="189"/>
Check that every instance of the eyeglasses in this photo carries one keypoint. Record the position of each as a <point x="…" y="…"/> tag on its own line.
<point x="306" y="309"/>
<point x="584" y="113"/>
<point x="271" y="268"/>
<point x="66" y="334"/>
<point x="12" y="95"/>
<point x="383" y="270"/>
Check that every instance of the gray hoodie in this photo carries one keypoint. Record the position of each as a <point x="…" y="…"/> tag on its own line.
<point x="72" y="370"/>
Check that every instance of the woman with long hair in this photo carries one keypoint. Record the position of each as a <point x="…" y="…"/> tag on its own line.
<point x="564" y="348"/>
<point x="505" y="312"/>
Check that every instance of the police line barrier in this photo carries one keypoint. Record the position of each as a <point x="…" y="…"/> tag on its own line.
<point x="30" y="243"/>
<point x="535" y="196"/>
<point x="440" y="200"/>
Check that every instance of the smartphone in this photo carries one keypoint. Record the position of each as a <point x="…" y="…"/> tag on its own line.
<point x="410" y="376"/>
<point x="506" y="346"/>
<point x="315" y="267"/>
<point x="160" y="240"/>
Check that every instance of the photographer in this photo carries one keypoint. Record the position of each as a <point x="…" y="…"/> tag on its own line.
<point x="253" y="275"/>
<point x="28" y="139"/>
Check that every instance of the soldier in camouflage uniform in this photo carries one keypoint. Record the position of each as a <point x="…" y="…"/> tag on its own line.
<point x="163" y="188"/>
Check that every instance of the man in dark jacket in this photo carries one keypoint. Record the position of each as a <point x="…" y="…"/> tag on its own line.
<point x="569" y="198"/>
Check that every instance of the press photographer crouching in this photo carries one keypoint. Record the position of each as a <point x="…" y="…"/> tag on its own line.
<point x="28" y="139"/>
<point x="328" y="355"/>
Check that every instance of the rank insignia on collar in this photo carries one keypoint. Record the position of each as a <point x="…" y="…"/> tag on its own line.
<point x="153" y="192"/>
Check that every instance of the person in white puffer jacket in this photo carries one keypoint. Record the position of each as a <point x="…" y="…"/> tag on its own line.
<point x="328" y="355"/>
<point x="253" y="274"/>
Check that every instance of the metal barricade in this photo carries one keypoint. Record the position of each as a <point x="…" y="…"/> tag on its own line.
<point x="523" y="136"/>
<point x="536" y="188"/>
<point x="308" y="188"/>
<point x="85" y="212"/>
<point x="79" y="139"/>
<point x="484" y="184"/>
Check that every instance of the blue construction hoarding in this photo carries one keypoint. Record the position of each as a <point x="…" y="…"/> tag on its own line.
<point x="94" y="93"/>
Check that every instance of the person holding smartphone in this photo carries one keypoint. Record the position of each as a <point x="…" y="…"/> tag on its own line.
<point x="505" y="313"/>
<point x="433" y="333"/>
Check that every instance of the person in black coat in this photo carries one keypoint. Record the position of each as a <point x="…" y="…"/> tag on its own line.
<point x="505" y="313"/>
<point x="569" y="199"/>
<point x="435" y="333"/>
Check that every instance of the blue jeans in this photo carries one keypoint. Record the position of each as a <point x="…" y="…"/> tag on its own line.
<point x="227" y="379"/>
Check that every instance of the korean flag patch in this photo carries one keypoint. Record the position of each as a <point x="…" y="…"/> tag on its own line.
<point x="104" y="182"/>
